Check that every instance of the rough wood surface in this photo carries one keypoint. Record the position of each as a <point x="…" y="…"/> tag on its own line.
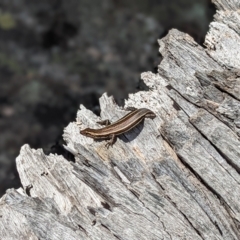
<point x="174" y="177"/>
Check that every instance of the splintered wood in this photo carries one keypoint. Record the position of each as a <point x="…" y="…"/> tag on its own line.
<point x="173" y="177"/>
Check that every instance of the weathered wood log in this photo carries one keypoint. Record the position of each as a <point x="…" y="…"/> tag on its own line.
<point x="174" y="177"/>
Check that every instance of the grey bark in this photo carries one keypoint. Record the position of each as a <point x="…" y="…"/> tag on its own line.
<point x="174" y="177"/>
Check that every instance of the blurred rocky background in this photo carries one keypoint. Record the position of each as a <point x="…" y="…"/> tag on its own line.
<point x="56" y="54"/>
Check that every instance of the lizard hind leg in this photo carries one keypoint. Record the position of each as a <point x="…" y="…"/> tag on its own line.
<point x="151" y="115"/>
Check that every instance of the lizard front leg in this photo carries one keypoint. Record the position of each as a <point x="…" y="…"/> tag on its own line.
<point x="111" y="141"/>
<point x="104" y="122"/>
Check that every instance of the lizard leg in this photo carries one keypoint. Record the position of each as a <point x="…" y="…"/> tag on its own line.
<point x="111" y="141"/>
<point x="104" y="122"/>
<point x="130" y="109"/>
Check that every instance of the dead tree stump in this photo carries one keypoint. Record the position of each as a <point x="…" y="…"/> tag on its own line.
<point x="174" y="177"/>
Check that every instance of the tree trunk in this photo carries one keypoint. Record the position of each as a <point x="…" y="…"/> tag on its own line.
<point x="173" y="177"/>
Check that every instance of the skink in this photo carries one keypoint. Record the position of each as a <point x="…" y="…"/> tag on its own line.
<point x="123" y="125"/>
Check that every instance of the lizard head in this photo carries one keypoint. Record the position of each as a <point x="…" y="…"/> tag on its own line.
<point x="86" y="132"/>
